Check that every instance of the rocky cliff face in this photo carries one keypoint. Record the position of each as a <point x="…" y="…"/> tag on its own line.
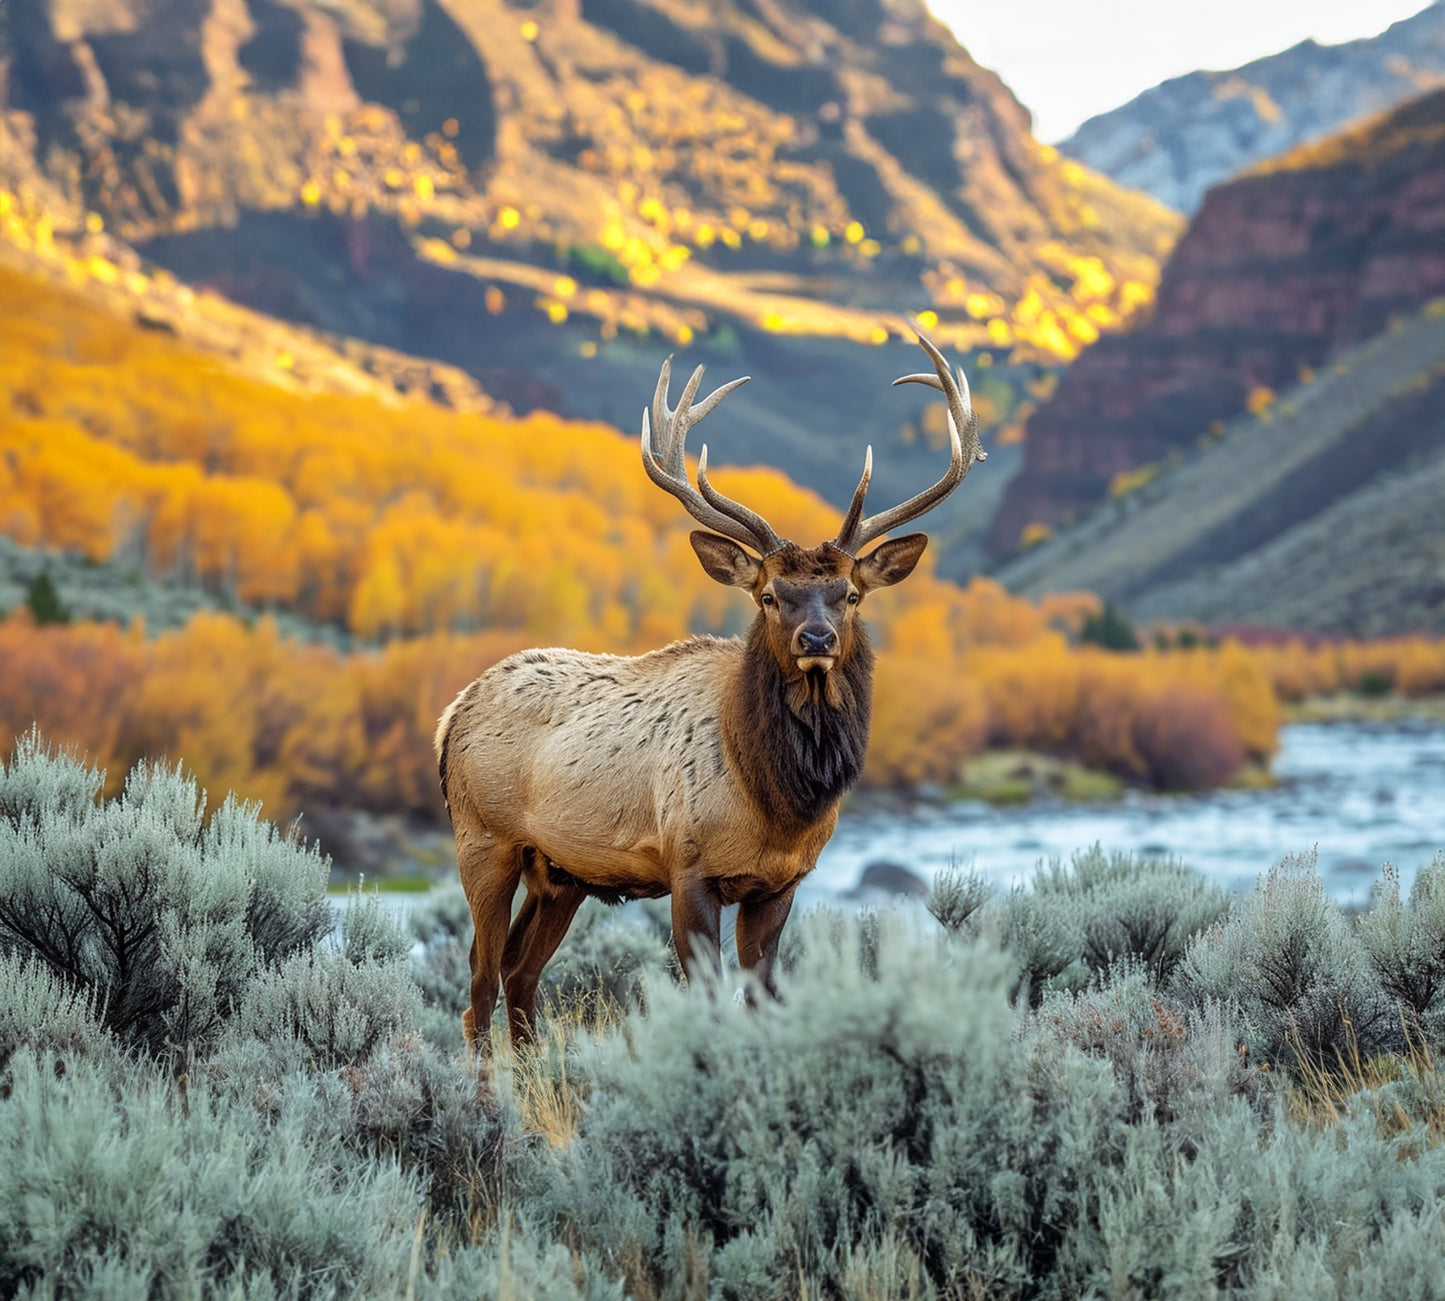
<point x="1321" y="512"/>
<point x="1192" y="132"/>
<point x="1280" y="268"/>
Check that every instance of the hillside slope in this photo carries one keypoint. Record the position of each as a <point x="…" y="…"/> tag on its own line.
<point x="118" y="282"/>
<point x="1280" y="269"/>
<point x="1191" y="132"/>
<point x="1324" y="512"/>
<point x="551" y="197"/>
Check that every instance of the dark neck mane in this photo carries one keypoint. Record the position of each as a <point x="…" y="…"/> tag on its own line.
<point x="798" y="745"/>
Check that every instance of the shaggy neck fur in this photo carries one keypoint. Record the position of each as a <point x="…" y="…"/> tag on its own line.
<point x="799" y="743"/>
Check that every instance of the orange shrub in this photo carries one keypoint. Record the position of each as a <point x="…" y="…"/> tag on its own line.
<point x="1233" y="671"/>
<point x="77" y="682"/>
<point x="288" y="723"/>
<point x="927" y="720"/>
<point x="1412" y="666"/>
<point x="1125" y="712"/>
<point x="1186" y="740"/>
<point x="298" y="725"/>
<point x="1032" y="693"/>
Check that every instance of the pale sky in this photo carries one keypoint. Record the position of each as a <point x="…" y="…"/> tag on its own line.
<point x="1070" y="59"/>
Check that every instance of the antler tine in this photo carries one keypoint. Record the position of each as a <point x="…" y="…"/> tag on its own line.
<point x="680" y="419"/>
<point x="749" y="519"/>
<point x="667" y="465"/>
<point x="855" y="507"/>
<point x="962" y="426"/>
<point x="953" y="384"/>
<point x="662" y="417"/>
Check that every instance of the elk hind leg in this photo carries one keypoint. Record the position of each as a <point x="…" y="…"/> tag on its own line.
<point x="490" y="871"/>
<point x="540" y="925"/>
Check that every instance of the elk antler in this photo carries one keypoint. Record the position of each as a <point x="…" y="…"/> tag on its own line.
<point x="667" y="467"/>
<point x="857" y="532"/>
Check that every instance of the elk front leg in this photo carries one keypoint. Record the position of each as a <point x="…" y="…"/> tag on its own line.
<point x="760" y="926"/>
<point x="696" y="924"/>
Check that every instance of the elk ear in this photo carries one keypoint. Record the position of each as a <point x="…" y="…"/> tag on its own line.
<point x="724" y="560"/>
<point x="890" y="562"/>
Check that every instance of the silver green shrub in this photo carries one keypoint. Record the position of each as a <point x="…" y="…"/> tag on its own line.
<point x="518" y="1259"/>
<point x="1403" y="1263"/>
<point x="913" y="1133"/>
<point x="1041" y="936"/>
<point x="1219" y="1204"/>
<point x="337" y="1033"/>
<point x="608" y="954"/>
<point x="900" y="1123"/>
<point x="441" y="926"/>
<point x="157" y="917"/>
<point x="955" y="898"/>
<point x="333" y="1011"/>
<point x="333" y="1005"/>
<point x="404" y="1101"/>
<point x="1165" y="1057"/>
<point x="1287" y="959"/>
<point x="1082" y="919"/>
<point x="39" y="1011"/>
<point x="176" y="1010"/>
<point x="849" y="930"/>
<point x="106" y="1170"/>
<point x="874" y="1130"/>
<point x="1405" y="942"/>
<point x="1120" y="907"/>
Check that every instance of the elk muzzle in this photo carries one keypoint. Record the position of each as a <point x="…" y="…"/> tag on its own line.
<point x="815" y="646"/>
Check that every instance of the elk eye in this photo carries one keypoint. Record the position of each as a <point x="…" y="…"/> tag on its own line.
<point x="767" y="599"/>
<point x="853" y="598"/>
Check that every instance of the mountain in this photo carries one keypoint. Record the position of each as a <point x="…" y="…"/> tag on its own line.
<point x="550" y="198"/>
<point x="1322" y="512"/>
<point x="1181" y="137"/>
<point x="1279" y="270"/>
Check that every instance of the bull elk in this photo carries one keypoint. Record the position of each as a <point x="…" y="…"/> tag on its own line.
<point x="710" y="770"/>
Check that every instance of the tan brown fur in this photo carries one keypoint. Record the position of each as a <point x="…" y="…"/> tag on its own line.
<point x="711" y="770"/>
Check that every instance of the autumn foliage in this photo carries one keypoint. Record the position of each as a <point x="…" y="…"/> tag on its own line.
<point x="1409" y="666"/>
<point x="387" y="519"/>
<point x="979" y="668"/>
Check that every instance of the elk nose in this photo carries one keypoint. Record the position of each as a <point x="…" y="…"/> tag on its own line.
<point x="816" y="641"/>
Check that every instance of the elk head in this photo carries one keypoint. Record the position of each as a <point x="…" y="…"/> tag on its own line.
<point x="807" y="598"/>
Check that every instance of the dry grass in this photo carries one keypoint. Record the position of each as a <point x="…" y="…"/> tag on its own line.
<point x="537" y="1078"/>
<point x="1406" y="1090"/>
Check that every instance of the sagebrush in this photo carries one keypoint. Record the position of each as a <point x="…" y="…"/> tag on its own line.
<point x="1119" y="1083"/>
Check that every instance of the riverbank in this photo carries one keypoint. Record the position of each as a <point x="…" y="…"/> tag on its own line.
<point x="1352" y="707"/>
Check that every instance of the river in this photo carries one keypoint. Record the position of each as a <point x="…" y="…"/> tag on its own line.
<point x="1355" y="794"/>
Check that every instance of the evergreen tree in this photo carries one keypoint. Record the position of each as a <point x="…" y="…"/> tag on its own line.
<point x="44" y="601"/>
